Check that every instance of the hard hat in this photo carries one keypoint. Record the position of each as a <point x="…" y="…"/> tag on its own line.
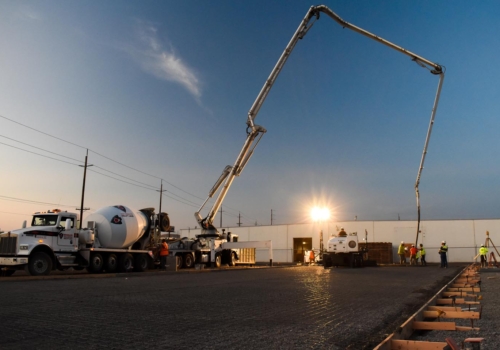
<point x="413" y="245"/>
<point x="443" y="242"/>
<point x="341" y="228"/>
<point x="402" y="242"/>
<point x="482" y="245"/>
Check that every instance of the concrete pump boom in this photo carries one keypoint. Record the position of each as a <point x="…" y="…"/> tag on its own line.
<point x="255" y="132"/>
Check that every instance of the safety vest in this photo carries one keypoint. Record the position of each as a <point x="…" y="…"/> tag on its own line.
<point x="413" y="251"/>
<point x="422" y="251"/>
<point x="401" y="250"/>
<point x="444" y="249"/>
<point x="483" y="251"/>
<point x="164" y="249"/>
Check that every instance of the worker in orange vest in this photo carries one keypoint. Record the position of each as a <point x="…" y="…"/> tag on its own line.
<point x="311" y="257"/>
<point x="163" y="254"/>
<point x="413" y="255"/>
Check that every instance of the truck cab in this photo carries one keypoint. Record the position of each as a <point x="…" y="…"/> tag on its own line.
<point x="49" y="239"/>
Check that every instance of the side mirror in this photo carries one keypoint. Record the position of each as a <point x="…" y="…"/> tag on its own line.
<point x="24" y="224"/>
<point x="68" y="224"/>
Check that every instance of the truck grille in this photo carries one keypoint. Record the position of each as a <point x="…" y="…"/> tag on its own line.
<point x="8" y="245"/>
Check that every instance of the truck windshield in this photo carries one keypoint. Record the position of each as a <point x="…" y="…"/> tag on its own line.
<point x="44" y="220"/>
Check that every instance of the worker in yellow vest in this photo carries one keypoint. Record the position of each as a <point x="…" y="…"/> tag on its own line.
<point x="443" y="251"/>
<point x="483" y="252"/>
<point x="422" y="255"/>
<point x="401" y="253"/>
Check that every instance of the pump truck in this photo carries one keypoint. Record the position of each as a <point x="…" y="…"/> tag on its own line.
<point x="255" y="132"/>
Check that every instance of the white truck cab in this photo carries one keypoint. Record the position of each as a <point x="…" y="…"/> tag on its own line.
<point x="51" y="232"/>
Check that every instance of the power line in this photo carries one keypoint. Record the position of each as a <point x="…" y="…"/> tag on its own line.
<point x="65" y="157"/>
<point x="109" y="171"/>
<point x="34" y="202"/>
<point x="101" y="155"/>
<point x="41" y="132"/>
<point x="114" y="178"/>
<point x="27" y="144"/>
<point x="38" y="154"/>
<point x="177" y="200"/>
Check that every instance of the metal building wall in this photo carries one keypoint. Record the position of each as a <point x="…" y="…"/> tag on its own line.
<point x="463" y="237"/>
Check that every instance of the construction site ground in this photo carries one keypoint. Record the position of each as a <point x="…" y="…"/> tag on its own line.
<point x="488" y="324"/>
<point x="304" y="307"/>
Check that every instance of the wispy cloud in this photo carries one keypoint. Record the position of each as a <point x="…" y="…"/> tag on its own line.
<point x="162" y="62"/>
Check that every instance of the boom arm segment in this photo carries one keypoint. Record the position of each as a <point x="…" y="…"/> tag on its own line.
<point x="255" y="132"/>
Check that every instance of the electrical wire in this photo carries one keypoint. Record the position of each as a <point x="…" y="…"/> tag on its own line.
<point x="38" y="154"/>
<point x="33" y="202"/>
<point x="150" y="187"/>
<point x="41" y="149"/>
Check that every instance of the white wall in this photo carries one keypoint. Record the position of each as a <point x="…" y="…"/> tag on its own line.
<point x="463" y="237"/>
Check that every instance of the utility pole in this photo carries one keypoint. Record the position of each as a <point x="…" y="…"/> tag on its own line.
<point x="271" y="217"/>
<point x="159" y="210"/>
<point x="239" y="219"/>
<point x="83" y="187"/>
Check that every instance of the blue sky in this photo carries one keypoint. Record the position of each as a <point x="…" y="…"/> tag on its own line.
<point x="164" y="87"/>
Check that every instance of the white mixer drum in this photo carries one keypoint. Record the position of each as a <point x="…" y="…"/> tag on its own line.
<point x="118" y="226"/>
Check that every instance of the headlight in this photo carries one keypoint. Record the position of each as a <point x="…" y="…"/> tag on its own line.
<point x="23" y="247"/>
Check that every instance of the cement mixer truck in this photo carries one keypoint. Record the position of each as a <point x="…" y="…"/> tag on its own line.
<point x="115" y="239"/>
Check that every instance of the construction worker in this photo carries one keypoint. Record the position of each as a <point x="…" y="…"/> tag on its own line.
<point x="483" y="252"/>
<point x="342" y="233"/>
<point x="413" y="255"/>
<point x="443" y="250"/>
<point x="163" y="254"/>
<point x="402" y="253"/>
<point x="311" y="257"/>
<point x="422" y="255"/>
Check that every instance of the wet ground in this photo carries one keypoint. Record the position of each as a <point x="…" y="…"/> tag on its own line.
<point x="270" y="308"/>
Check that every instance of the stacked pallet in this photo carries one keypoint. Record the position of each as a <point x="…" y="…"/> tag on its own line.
<point x="452" y="302"/>
<point x="381" y="252"/>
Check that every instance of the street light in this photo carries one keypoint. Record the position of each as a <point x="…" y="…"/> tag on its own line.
<point x="320" y="214"/>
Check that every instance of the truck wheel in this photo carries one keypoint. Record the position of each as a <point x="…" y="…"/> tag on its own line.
<point x="111" y="263"/>
<point x="179" y="261"/>
<point x="352" y="261"/>
<point x="125" y="262"/>
<point x="188" y="261"/>
<point x="40" y="264"/>
<point x="96" y="263"/>
<point x="327" y="262"/>
<point x="141" y="262"/>
<point x="232" y="259"/>
<point x="218" y="260"/>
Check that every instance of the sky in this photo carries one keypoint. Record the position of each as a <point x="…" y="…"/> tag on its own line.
<point x="159" y="91"/>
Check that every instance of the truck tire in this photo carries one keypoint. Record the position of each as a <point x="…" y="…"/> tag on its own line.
<point x="218" y="260"/>
<point x="327" y="261"/>
<point x="141" y="262"/>
<point x="96" y="263"/>
<point x="232" y="259"/>
<point x="111" y="264"/>
<point x="125" y="262"/>
<point x="188" y="261"/>
<point x="40" y="264"/>
<point x="179" y="261"/>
